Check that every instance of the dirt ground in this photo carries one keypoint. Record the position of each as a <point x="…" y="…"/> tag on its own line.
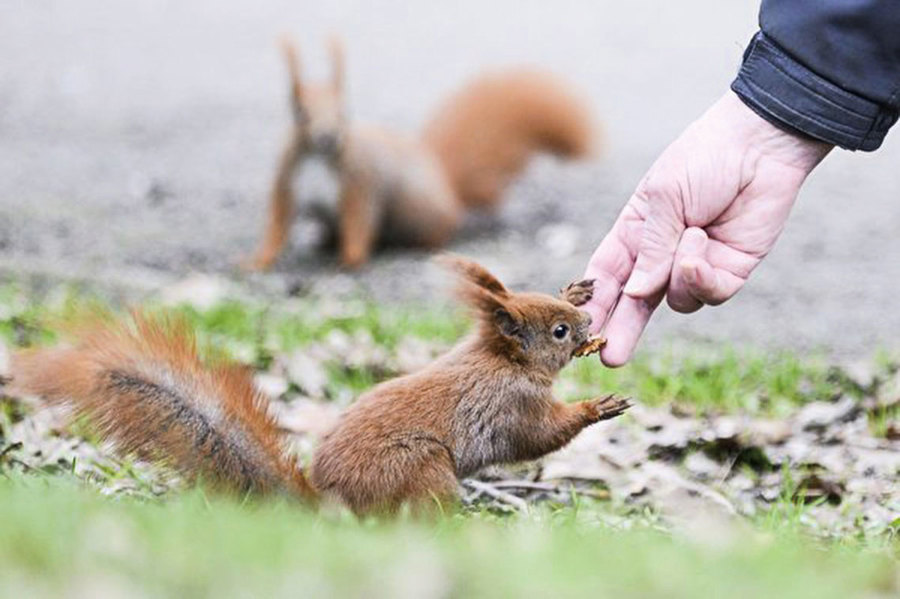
<point x="137" y="141"/>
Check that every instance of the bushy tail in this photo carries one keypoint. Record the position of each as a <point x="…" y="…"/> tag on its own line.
<point x="484" y="134"/>
<point x="144" y="387"/>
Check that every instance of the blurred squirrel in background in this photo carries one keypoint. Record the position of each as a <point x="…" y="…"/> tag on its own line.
<point x="404" y="442"/>
<point x="396" y="189"/>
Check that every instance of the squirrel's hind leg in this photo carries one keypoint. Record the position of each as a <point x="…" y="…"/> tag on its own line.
<point x="412" y="472"/>
<point x="434" y="492"/>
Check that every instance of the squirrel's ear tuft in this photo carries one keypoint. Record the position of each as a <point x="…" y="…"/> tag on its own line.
<point x="292" y="59"/>
<point x="473" y="273"/>
<point x="482" y="301"/>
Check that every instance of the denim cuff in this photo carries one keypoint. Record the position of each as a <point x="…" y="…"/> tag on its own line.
<point x="790" y="96"/>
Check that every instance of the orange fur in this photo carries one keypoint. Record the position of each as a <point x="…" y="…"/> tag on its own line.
<point x="144" y="387"/>
<point x="406" y="441"/>
<point x="485" y="134"/>
<point x="402" y="190"/>
<point x="487" y="401"/>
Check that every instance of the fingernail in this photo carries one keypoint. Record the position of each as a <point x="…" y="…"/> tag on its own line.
<point x="637" y="282"/>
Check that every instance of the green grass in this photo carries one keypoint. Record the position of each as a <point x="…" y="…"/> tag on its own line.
<point x="721" y="380"/>
<point x="59" y="536"/>
<point x="724" y="381"/>
<point x="60" y="539"/>
<point x="306" y="322"/>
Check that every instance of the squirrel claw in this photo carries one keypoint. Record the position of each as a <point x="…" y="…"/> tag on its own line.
<point x="610" y="406"/>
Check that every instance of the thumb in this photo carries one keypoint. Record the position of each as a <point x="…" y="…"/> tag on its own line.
<point x="659" y="240"/>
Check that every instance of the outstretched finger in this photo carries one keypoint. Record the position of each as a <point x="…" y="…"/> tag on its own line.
<point x="625" y="327"/>
<point x="660" y="234"/>
<point x="610" y="265"/>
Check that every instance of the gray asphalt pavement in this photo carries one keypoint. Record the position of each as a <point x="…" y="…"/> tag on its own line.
<point x="138" y="139"/>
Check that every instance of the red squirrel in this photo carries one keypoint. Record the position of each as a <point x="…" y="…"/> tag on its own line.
<point x="398" y="189"/>
<point x="406" y="441"/>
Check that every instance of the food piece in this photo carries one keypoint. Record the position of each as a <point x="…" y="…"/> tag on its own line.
<point x="591" y="346"/>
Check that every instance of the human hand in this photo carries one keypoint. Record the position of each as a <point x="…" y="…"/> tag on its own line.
<point x="707" y="212"/>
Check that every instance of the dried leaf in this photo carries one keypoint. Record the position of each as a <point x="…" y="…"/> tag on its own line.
<point x="199" y="291"/>
<point x="818" y="415"/>
<point x="814" y="488"/>
<point x="892" y="431"/>
<point x="307" y="373"/>
<point x="304" y="416"/>
<point x="272" y="386"/>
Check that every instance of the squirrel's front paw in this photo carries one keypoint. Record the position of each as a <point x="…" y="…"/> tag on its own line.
<point x="578" y="293"/>
<point x="609" y="406"/>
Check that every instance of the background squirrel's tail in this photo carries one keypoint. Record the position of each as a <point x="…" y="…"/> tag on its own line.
<point x="484" y="134"/>
<point x="144" y="387"/>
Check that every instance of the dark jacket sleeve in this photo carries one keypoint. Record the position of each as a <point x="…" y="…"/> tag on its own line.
<point x="827" y="68"/>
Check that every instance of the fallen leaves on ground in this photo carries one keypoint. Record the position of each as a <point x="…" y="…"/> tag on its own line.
<point x="824" y="456"/>
<point x="824" y="465"/>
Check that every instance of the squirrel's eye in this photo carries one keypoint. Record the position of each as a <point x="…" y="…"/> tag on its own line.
<point x="561" y="331"/>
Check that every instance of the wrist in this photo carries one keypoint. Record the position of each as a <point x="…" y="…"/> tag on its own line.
<point x="762" y="138"/>
<point x="789" y="94"/>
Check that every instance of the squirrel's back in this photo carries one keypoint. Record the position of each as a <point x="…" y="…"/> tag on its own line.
<point x="485" y="133"/>
<point x="144" y="387"/>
